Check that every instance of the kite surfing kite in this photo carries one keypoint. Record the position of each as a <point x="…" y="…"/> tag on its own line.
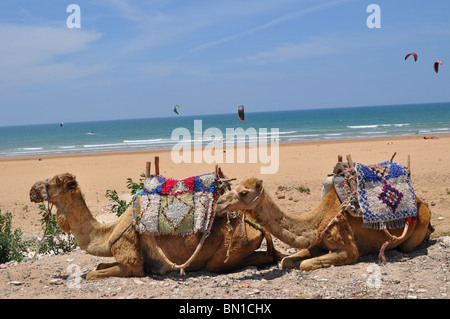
<point x="175" y="109"/>
<point x="436" y="66"/>
<point x="413" y="54"/>
<point x="241" y="112"/>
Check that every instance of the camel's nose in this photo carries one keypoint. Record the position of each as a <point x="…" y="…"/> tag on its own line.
<point x="220" y="205"/>
<point x="35" y="195"/>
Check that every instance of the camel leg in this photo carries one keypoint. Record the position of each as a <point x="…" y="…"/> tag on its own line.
<point x="340" y="242"/>
<point x="335" y="258"/>
<point x="216" y="263"/>
<point x="258" y="258"/>
<point x="125" y="248"/>
<point x="102" y="266"/>
<point x="117" y="270"/>
<point x="293" y="261"/>
<point x="271" y="250"/>
<point x="243" y="255"/>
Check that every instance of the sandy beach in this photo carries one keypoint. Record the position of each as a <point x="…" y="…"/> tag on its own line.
<point x="422" y="273"/>
<point x="301" y="164"/>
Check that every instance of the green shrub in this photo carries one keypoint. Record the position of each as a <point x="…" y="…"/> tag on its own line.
<point x="55" y="241"/>
<point x="119" y="206"/>
<point x="12" y="247"/>
<point x="302" y="189"/>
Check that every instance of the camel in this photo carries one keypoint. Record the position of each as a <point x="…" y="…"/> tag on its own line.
<point x="135" y="253"/>
<point x="322" y="240"/>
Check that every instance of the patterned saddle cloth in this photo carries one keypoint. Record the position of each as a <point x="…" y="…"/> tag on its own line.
<point x="175" y="206"/>
<point x="384" y="194"/>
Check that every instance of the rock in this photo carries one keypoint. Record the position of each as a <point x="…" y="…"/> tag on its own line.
<point x="281" y="196"/>
<point x="440" y="218"/>
<point x="444" y="241"/>
<point x="422" y="290"/>
<point x="138" y="282"/>
<point x="56" y="282"/>
<point x="16" y="283"/>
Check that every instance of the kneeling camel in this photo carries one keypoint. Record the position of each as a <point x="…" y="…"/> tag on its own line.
<point x="342" y="242"/>
<point x="136" y="253"/>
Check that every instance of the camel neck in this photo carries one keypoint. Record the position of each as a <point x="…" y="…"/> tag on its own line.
<point x="74" y="216"/>
<point x="296" y="231"/>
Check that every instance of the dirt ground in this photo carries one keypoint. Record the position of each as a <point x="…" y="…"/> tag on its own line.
<point x="423" y="274"/>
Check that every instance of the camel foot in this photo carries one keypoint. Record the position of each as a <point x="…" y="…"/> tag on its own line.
<point x="335" y="258"/>
<point x="293" y="261"/>
<point x="117" y="270"/>
<point x="289" y="262"/>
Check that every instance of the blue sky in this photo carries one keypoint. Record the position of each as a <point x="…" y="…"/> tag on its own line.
<point x="137" y="59"/>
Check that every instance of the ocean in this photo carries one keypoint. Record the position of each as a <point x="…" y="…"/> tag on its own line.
<point x="293" y="126"/>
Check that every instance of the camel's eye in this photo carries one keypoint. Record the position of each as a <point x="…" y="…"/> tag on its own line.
<point x="243" y="193"/>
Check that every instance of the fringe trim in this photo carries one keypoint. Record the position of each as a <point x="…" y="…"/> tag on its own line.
<point x="399" y="223"/>
<point x="169" y="233"/>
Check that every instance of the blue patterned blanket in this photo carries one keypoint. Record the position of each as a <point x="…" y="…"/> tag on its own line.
<point x="175" y="206"/>
<point x="385" y="195"/>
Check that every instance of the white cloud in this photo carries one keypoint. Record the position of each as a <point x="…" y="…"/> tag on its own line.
<point x="293" y="51"/>
<point x="271" y="23"/>
<point x="36" y="53"/>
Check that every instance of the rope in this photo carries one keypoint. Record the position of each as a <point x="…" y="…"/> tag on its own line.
<point x="392" y="239"/>
<point x="232" y="230"/>
<point x="188" y="262"/>
<point x="115" y="241"/>
<point x="339" y="217"/>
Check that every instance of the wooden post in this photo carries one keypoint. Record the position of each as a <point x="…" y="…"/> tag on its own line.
<point x="392" y="158"/>
<point x="349" y="160"/>
<point x="148" y="165"/>
<point x="409" y="165"/>
<point x="157" y="165"/>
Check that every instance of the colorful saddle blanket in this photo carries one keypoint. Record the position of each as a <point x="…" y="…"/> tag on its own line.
<point x="171" y="206"/>
<point x="385" y="195"/>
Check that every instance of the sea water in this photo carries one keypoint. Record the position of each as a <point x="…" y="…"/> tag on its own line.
<point x="294" y="126"/>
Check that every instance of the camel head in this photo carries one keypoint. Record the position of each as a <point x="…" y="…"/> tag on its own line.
<point x="50" y="189"/>
<point x="243" y="197"/>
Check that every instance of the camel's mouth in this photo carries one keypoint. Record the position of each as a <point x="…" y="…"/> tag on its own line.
<point x="222" y="205"/>
<point x="36" y="193"/>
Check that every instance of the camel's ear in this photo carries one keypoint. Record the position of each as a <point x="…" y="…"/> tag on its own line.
<point x="58" y="180"/>
<point x="71" y="182"/>
<point x="259" y="184"/>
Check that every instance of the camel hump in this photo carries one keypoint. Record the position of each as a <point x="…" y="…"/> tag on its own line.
<point x="382" y="194"/>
